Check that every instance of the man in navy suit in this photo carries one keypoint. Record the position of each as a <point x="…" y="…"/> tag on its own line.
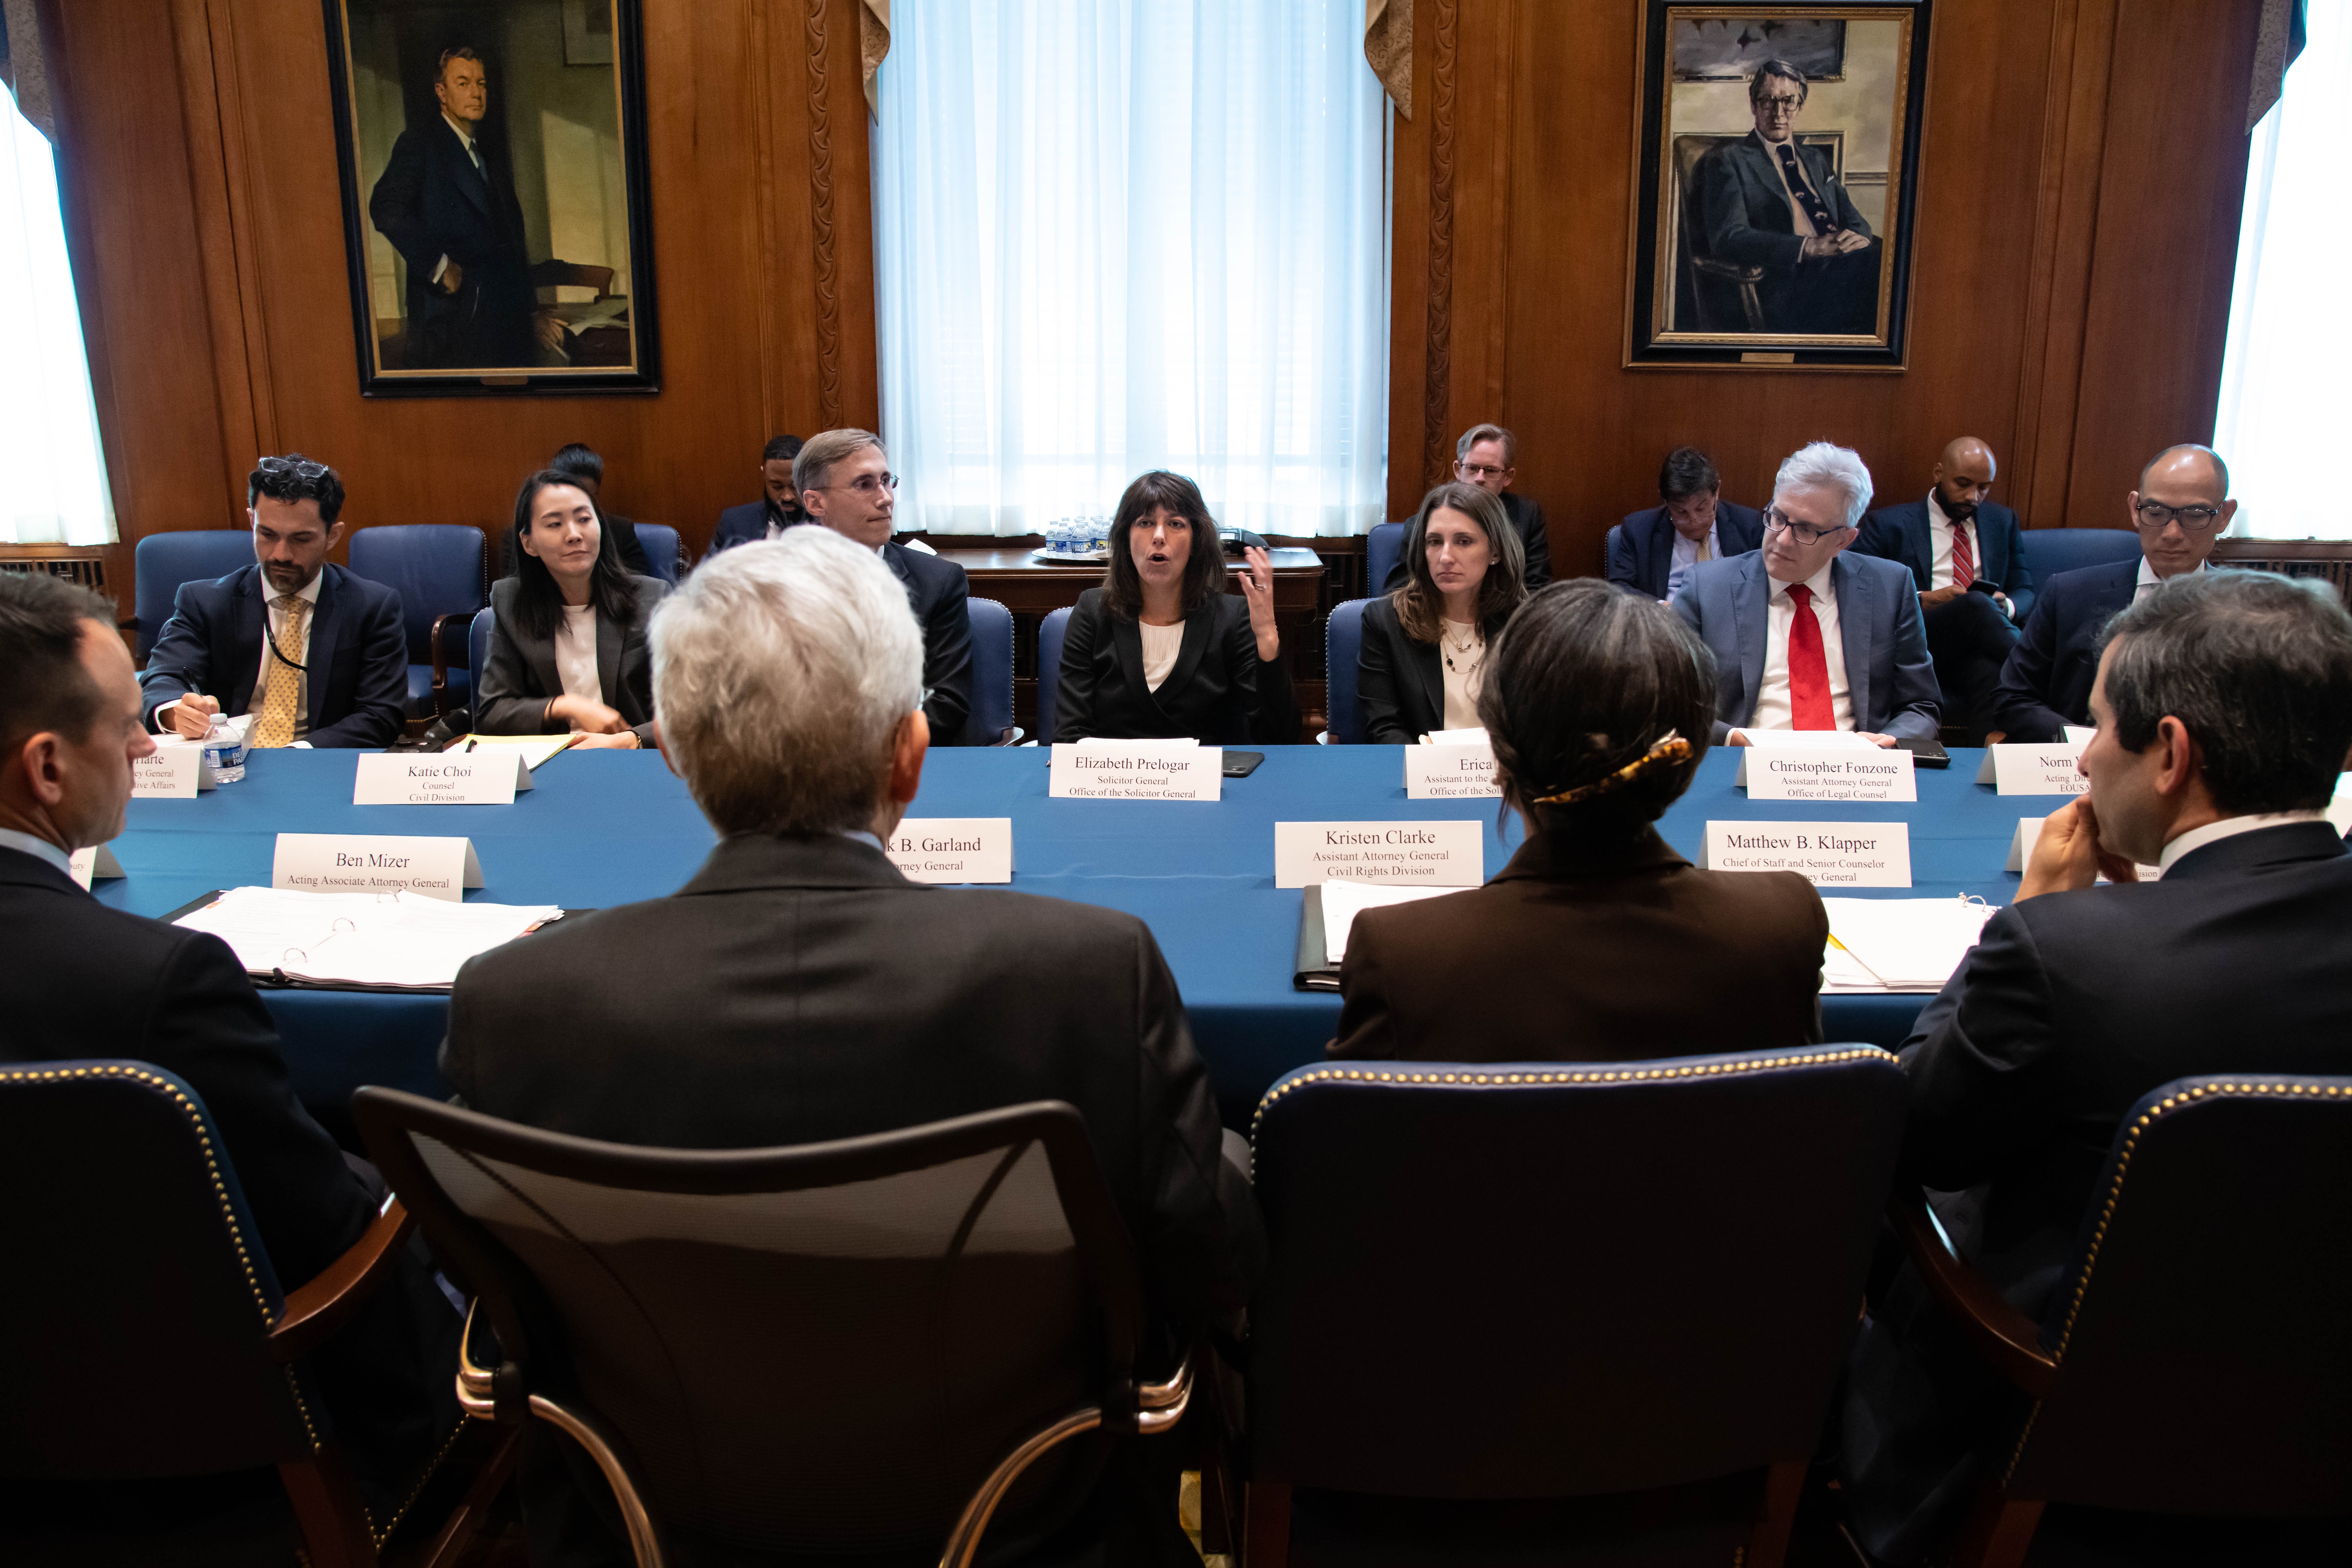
<point x="326" y="646"/>
<point x="1487" y="456"/>
<point x="779" y="509"/>
<point x="2224" y="708"/>
<point x="2181" y="509"/>
<point x="451" y="213"/>
<point x="1769" y="200"/>
<point x="1968" y="562"/>
<point x="1651" y="551"/>
<point x="1806" y="637"/>
<point x="846" y="483"/>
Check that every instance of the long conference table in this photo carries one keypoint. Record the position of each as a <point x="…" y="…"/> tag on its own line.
<point x="606" y="827"/>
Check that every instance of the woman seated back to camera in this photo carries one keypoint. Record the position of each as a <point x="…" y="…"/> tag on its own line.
<point x="567" y="646"/>
<point x="1160" y="651"/>
<point x="1597" y="942"/>
<point x="1425" y="644"/>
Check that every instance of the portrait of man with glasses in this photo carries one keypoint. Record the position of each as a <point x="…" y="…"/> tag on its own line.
<point x="2181" y="509"/>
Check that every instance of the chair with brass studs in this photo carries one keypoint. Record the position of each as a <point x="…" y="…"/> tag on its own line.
<point x="863" y="1348"/>
<point x="2193" y="1363"/>
<point x="157" y="1345"/>
<point x="1551" y="1309"/>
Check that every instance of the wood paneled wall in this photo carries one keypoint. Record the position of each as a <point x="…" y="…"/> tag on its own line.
<point x="198" y="154"/>
<point x="2082" y="171"/>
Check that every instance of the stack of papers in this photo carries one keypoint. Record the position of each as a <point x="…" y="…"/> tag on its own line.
<point x="402" y="942"/>
<point x="1898" y="944"/>
<point x="1471" y="737"/>
<point x="533" y="749"/>
<point x="1834" y="740"/>
<point x="1344" y="900"/>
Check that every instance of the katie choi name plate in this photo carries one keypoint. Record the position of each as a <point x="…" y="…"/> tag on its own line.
<point x="352" y="863"/>
<point x="439" y="778"/>
<point x="1828" y="854"/>
<point x="953" y="849"/>
<point x="1431" y="854"/>
<point x="1136" y="770"/>
<point x="1844" y="772"/>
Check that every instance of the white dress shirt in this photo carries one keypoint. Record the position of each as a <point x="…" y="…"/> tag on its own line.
<point x="1805" y="230"/>
<point x="575" y="655"/>
<point x="1773" y="709"/>
<point x="1939" y="545"/>
<point x="1686" y="556"/>
<point x="38" y="848"/>
<point x="1161" y="646"/>
<point x="271" y="670"/>
<point x="473" y="152"/>
<point x="2230" y="827"/>
<point x="2150" y="582"/>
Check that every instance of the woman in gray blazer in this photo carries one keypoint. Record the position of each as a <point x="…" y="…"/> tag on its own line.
<point x="567" y="646"/>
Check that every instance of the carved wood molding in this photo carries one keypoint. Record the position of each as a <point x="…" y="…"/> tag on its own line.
<point x="828" y="291"/>
<point x="1440" y="351"/>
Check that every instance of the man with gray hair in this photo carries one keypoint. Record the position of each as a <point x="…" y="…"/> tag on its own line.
<point x="845" y="483"/>
<point x="1805" y="635"/>
<point x="1487" y="456"/>
<point x="799" y="989"/>
<point x="2223" y="710"/>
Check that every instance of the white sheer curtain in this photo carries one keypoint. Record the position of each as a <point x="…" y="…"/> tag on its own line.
<point x="1119" y="234"/>
<point x="2286" y="392"/>
<point x="52" y="473"/>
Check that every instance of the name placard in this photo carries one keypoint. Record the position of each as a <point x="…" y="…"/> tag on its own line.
<point x="2029" y="833"/>
<point x="1426" y="854"/>
<point x="2031" y="769"/>
<point x="1136" y="770"/>
<point x="950" y="849"/>
<point x="1827" y="854"/>
<point x="362" y="863"/>
<point x="170" y="772"/>
<point x="88" y="864"/>
<point x="1827" y="773"/>
<point x="439" y="778"/>
<point x="1450" y="770"/>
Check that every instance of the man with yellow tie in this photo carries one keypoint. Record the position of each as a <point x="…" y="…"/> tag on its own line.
<point x="317" y="655"/>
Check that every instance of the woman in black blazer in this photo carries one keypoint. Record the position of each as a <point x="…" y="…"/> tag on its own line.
<point x="1160" y="651"/>
<point x="567" y="646"/>
<point x="1425" y="649"/>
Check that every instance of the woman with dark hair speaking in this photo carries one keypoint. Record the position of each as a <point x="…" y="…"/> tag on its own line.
<point x="1425" y="644"/>
<point x="567" y="646"/>
<point x="1597" y="942"/>
<point x="1160" y="651"/>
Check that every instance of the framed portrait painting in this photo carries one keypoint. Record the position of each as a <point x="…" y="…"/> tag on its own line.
<point x="495" y="202"/>
<point x="1775" y="181"/>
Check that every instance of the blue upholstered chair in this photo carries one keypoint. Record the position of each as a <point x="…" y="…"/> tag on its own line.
<point x="1050" y="634"/>
<point x="164" y="561"/>
<point x="167" y="1347"/>
<point x="989" y="723"/>
<point x="2193" y="1361"/>
<point x="2050" y="550"/>
<point x="1500" y="1298"/>
<point x="664" y="554"/>
<point x="478" y="638"/>
<point x="1343" y="647"/>
<point x="1382" y="547"/>
<point x="437" y="571"/>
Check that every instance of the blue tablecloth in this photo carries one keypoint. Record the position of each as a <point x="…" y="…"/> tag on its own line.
<point x="608" y="828"/>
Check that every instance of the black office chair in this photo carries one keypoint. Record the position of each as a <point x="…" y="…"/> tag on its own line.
<point x="1545" y="1312"/>
<point x="867" y="1346"/>
<point x="151" y="1340"/>
<point x="2194" y="1361"/>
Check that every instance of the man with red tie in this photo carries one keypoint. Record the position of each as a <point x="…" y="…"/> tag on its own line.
<point x="1806" y="637"/>
<point x="1967" y="560"/>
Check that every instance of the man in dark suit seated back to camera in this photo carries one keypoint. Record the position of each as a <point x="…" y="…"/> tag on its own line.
<point x="778" y="509"/>
<point x="1807" y="635"/>
<point x="2181" y="509"/>
<point x="1651" y="551"/>
<point x="317" y="655"/>
<point x="800" y="989"/>
<point x="1770" y="201"/>
<point x="85" y="981"/>
<point x="2224" y="705"/>
<point x="1968" y="559"/>
<point x="1487" y="456"/>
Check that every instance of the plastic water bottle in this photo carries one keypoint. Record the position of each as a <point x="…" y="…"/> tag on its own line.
<point x="223" y="754"/>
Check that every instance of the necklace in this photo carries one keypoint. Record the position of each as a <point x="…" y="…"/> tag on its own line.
<point x="1474" y="643"/>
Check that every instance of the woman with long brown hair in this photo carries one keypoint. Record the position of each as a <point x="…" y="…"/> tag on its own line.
<point x="1425" y="649"/>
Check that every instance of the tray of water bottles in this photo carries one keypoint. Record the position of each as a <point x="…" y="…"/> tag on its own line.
<point x="1074" y="542"/>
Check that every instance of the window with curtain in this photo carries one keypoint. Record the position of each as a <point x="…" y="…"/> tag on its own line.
<point x="2283" y="401"/>
<point x="55" y="491"/>
<point x="1113" y="235"/>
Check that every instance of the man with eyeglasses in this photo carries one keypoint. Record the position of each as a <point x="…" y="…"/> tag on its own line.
<point x="316" y="654"/>
<point x="1487" y="456"/>
<point x="1805" y="635"/>
<point x="2180" y="508"/>
<point x="1769" y="200"/>
<point x="845" y="483"/>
